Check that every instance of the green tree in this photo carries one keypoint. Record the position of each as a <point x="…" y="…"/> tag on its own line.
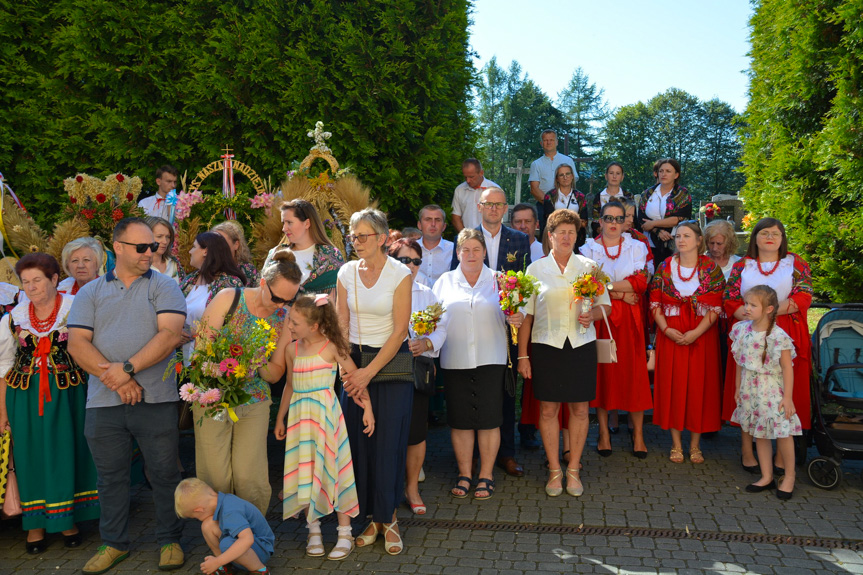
<point x="802" y="145"/>
<point x="717" y="169"/>
<point x="103" y="86"/>
<point x="628" y="139"/>
<point x="585" y="110"/>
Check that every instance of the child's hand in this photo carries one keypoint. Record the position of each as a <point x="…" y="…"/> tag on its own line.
<point x="369" y="422"/>
<point x="737" y="395"/>
<point x="210" y="564"/>
<point x="786" y="408"/>
<point x="280" y="432"/>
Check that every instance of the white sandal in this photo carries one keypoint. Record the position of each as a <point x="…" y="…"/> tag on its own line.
<point x="315" y="540"/>
<point x="392" y="547"/>
<point x="342" y="550"/>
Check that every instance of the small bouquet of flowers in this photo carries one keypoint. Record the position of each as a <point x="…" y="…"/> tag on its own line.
<point x="710" y="210"/>
<point x="587" y="287"/>
<point x="425" y="322"/>
<point x="220" y="365"/>
<point x="514" y="289"/>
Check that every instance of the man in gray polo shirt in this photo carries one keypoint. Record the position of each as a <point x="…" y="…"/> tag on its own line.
<point x="123" y="330"/>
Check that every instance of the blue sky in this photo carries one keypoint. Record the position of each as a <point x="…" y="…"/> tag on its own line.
<point x="633" y="49"/>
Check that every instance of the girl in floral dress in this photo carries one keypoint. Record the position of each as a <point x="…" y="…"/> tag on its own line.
<point x="764" y="386"/>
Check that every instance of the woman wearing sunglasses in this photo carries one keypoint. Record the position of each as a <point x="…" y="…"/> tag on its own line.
<point x="686" y="300"/>
<point x="623" y="385"/>
<point x="409" y="253"/>
<point x="374" y="304"/>
<point x="768" y="262"/>
<point x="318" y="258"/>
<point x="232" y="456"/>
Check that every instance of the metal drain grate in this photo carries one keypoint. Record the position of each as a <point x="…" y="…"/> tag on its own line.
<point x="821" y="542"/>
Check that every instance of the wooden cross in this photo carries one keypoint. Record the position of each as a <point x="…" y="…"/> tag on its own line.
<point x="518" y="170"/>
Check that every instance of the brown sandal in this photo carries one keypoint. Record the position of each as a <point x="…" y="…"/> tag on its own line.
<point x="676" y="455"/>
<point x="695" y="456"/>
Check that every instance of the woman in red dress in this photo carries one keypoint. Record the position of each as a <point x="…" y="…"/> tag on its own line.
<point x="768" y="262"/>
<point x="622" y="385"/>
<point x="685" y="299"/>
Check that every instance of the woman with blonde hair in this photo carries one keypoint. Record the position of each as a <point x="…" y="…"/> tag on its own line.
<point x="233" y="233"/>
<point x="721" y="244"/>
<point x="82" y="259"/>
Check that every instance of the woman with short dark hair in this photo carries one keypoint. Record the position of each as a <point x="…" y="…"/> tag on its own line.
<point x="42" y="401"/>
<point x="663" y="207"/>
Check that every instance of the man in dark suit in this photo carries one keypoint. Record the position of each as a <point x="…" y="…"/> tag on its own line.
<point x="509" y="249"/>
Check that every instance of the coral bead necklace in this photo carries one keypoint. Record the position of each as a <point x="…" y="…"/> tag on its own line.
<point x="43" y="325"/>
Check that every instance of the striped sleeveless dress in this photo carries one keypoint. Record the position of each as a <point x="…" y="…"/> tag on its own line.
<point x="319" y="473"/>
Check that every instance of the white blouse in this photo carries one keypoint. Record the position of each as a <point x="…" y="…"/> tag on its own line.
<point x="726" y="271"/>
<point x="171" y="270"/>
<point x="375" y="315"/>
<point x="21" y="317"/>
<point x="422" y="297"/>
<point x="476" y="332"/>
<point x="632" y="258"/>
<point x="655" y="207"/>
<point x="685" y="288"/>
<point x="567" y="202"/>
<point x="555" y="314"/>
<point x="782" y="280"/>
<point x="196" y="303"/>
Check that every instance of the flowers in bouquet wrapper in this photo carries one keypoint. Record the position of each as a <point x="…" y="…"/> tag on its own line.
<point x="235" y="349"/>
<point x="210" y="397"/>
<point x="514" y="290"/>
<point x="239" y="372"/>
<point x="229" y="365"/>
<point x="425" y="322"/>
<point x="211" y="369"/>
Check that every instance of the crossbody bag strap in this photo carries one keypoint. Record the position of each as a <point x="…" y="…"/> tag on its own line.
<point x="229" y="316"/>
<point x="357" y="304"/>
<point x="607" y="325"/>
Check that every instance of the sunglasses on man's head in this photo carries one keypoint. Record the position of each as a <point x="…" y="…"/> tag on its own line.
<point x="406" y="260"/>
<point x="142" y="248"/>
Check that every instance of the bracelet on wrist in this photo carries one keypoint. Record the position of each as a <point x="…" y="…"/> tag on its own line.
<point x="523" y="357"/>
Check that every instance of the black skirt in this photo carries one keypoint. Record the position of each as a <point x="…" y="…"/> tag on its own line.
<point x="474" y="397"/>
<point x="565" y="375"/>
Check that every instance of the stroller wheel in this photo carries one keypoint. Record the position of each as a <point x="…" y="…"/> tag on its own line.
<point x="824" y="473"/>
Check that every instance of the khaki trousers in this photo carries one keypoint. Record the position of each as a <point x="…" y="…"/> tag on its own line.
<point x="232" y="457"/>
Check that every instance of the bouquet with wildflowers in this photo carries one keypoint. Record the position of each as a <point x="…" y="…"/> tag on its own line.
<point x="587" y="287"/>
<point x="514" y="290"/>
<point x="425" y="322"/>
<point x="220" y="364"/>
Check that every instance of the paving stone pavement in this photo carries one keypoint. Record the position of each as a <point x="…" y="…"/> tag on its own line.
<point x="637" y="517"/>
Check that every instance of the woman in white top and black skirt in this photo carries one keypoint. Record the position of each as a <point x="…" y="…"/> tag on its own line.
<point x="663" y="207"/>
<point x="563" y="357"/>
<point x="374" y="304"/>
<point x="473" y="359"/>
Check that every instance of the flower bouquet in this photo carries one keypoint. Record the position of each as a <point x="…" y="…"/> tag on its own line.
<point x="587" y="287"/>
<point x="219" y="367"/>
<point x="710" y="210"/>
<point x="425" y="322"/>
<point x="514" y="289"/>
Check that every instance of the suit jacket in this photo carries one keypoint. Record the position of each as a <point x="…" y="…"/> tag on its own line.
<point x="511" y="242"/>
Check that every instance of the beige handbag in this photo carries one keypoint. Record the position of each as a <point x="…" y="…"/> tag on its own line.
<point x="606" y="349"/>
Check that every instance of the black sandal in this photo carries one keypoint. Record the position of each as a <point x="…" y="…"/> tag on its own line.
<point x="489" y="488"/>
<point x="463" y="491"/>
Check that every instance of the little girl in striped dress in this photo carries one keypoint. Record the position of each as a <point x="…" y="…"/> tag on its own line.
<point x="319" y="474"/>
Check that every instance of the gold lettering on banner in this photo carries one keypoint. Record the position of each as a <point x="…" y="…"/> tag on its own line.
<point x="239" y="167"/>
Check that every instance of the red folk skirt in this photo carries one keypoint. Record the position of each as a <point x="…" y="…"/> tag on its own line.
<point x="687" y="377"/>
<point x="624" y="385"/>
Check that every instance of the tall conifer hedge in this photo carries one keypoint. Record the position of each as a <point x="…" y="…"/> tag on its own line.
<point x="114" y="85"/>
<point x="803" y="150"/>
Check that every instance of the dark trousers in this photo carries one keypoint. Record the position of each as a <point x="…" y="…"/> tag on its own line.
<point x="110" y="432"/>
<point x="507" y="430"/>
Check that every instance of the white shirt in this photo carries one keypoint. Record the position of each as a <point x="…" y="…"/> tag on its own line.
<point x="492" y="245"/>
<point x="21" y="317"/>
<point x="373" y="324"/>
<point x="685" y="288"/>
<point x="476" y="332"/>
<point x="437" y="260"/>
<point x="304" y="260"/>
<point x="555" y="315"/>
<point x="655" y="207"/>
<point x="421" y="298"/>
<point x="423" y="280"/>
<point x="542" y="170"/>
<point x="632" y="259"/>
<point x="782" y="280"/>
<point x="465" y="200"/>
<point x="726" y="271"/>
<point x="604" y="197"/>
<point x="566" y="202"/>
<point x="196" y="303"/>
<point x="171" y="270"/>
<point x="155" y="206"/>
<point x="536" y="250"/>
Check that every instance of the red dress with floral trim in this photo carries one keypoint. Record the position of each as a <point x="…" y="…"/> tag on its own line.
<point x="794" y="324"/>
<point x="686" y="382"/>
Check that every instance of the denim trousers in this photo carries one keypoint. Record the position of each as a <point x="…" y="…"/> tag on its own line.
<point x="110" y="432"/>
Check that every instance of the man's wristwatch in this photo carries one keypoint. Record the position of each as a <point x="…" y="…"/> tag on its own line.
<point x="609" y="286"/>
<point x="129" y="368"/>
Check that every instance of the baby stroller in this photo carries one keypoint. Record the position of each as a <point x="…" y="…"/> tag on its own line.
<point x="837" y="393"/>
